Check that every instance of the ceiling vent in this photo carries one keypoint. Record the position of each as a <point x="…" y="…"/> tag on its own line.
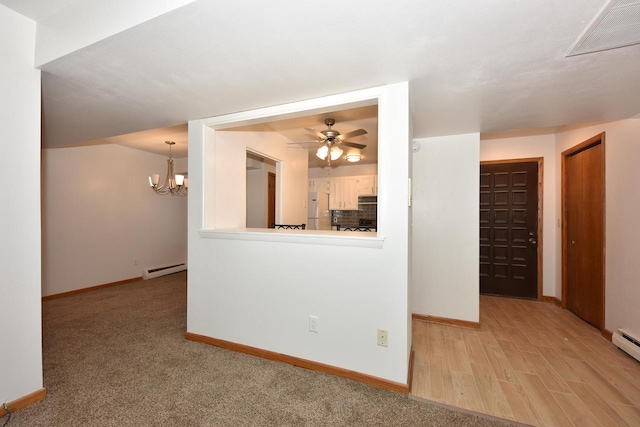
<point x="617" y="25"/>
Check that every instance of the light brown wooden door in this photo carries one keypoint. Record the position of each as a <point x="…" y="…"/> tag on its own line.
<point x="271" y="199"/>
<point x="509" y="229"/>
<point x="583" y="236"/>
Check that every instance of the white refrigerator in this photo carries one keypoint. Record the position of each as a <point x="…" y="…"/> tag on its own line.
<point x="319" y="217"/>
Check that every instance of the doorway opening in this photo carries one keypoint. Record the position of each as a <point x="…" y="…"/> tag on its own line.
<point x="261" y="191"/>
<point x="271" y="199"/>
<point x="583" y="231"/>
<point x="511" y="228"/>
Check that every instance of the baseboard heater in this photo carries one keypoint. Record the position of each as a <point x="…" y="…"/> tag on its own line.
<point x="627" y="343"/>
<point x="150" y="273"/>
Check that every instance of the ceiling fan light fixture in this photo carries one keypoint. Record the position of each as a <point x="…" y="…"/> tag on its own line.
<point x="322" y="152"/>
<point x="331" y="141"/>
<point x="353" y="158"/>
<point x="336" y="152"/>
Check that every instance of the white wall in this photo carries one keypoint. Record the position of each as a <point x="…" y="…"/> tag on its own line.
<point x="261" y="293"/>
<point x="532" y="147"/>
<point x="257" y="192"/>
<point x="445" y="234"/>
<point x="20" y="315"/>
<point x="230" y="170"/>
<point x="256" y="197"/>
<point x="622" y="240"/>
<point x="100" y="216"/>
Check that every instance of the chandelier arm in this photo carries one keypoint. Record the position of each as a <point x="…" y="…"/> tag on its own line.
<point x="166" y="185"/>
<point x="180" y="191"/>
<point x="169" y="183"/>
<point x="170" y="176"/>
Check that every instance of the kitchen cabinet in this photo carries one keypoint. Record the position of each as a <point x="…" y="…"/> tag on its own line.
<point x="367" y="185"/>
<point x="350" y="193"/>
<point x="345" y="190"/>
<point x="335" y="193"/>
<point x="343" y="193"/>
<point x="320" y="185"/>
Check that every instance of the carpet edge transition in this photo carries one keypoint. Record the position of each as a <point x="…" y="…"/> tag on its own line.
<point x="302" y="363"/>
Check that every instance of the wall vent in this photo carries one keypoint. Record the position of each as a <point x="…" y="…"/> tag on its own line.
<point x="150" y="273"/>
<point x="617" y="25"/>
<point x="627" y="343"/>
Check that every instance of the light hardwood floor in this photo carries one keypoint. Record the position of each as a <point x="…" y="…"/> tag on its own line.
<point x="530" y="362"/>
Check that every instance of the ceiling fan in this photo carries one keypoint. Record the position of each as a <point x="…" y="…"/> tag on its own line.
<point x="331" y="141"/>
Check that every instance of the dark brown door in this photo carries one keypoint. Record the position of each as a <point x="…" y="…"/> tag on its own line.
<point x="584" y="232"/>
<point x="271" y="199"/>
<point x="508" y="229"/>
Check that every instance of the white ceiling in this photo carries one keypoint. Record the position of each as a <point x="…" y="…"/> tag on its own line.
<point x="37" y="10"/>
<point x="346" y="121"/>
<point x="482" y="66"/>
<point x="154" y="140"/>
<point x="293" y="129"/>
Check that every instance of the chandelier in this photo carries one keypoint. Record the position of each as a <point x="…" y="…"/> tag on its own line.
<point x="176" y="185"/>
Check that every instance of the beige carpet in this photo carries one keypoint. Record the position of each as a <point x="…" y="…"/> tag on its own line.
<point x="118" y="357"/>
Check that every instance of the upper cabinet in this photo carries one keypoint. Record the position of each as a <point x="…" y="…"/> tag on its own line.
<point x="350" y="195"/>
<point x="335" y="193"/>
<point x="367" y="185"/>
<point x="343" y="194"/>
<point x="345" y="190"/>
<point x="320" y="185"/>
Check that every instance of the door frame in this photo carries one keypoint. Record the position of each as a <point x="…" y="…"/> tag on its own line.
<point x="270" y="176"/>
<point x="566" y="154"/>
<point x="540" y="161"/>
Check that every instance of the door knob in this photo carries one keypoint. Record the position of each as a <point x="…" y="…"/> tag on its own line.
<point x="532" y="240"/>
<point x="573" y="242"/>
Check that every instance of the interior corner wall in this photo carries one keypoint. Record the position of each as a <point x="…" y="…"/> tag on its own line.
<point x="622" y="236"/>
<point x="257" y="191"/>
<point x="231" y="178"/>
<point x="256" y="197"/>
<point x="101" y="221"/>
<point x="533" y="147"/>
<point x="20" y="315"/>
<point x="446" y="179"/>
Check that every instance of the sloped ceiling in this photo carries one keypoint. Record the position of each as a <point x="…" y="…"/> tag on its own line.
<point x="483" y="66"/>
<point x="37" y="10"/>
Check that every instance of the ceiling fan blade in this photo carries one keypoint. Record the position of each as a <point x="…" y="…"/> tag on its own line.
<point x="353" y="145"/>
<point x="316" y="133"/>
<point x="303" y="144"/>
<point x="353" y="133"/>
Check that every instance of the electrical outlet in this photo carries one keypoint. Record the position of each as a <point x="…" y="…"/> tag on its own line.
<point x="383" y="337"/>
<point x="135" y="261"/>
<point x="314" y="324"/>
